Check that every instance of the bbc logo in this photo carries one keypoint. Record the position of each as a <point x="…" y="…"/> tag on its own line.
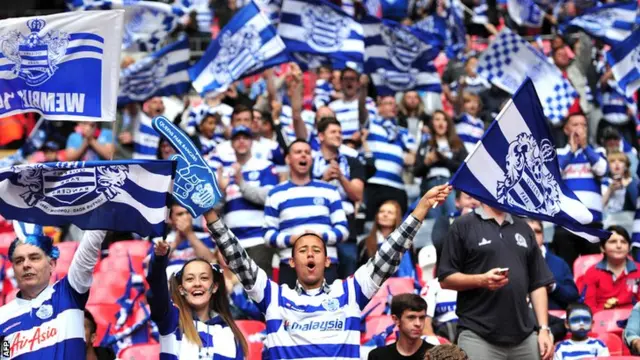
<point x="6" y="349"/>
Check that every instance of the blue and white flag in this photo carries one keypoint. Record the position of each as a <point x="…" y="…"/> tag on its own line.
<point x="525" y="13"/>
<point x="271" y="8"/>
<point x="611" y="23"/>
<point x="162" y="73"/>
<point x="203" y="11"/>
<point x="400" y="58"/>
<point x="480" y="13"/>
<point x="624" y="60"/>
<point x="248" y="44"/>
<point x="62" y="66"/>
<point x="514" y="168"/>
<point x="509" y="60"/>
<point x="129" y="195"/>
<point x="321" y="28"/>
<point x="147" y="24"/>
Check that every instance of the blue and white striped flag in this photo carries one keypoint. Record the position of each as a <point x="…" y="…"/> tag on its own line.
<point x="62" y="66"/>
<point x="400" y="58"/>
<point x="514" y="168"/>
<point x="525" y="13"/>
<point x="480" y="13"/>
<point x="321" y="28"/>
<point x="128" y="195"/>
<point x="147" y="24"/>
<point x="271" y="8"/>
<point x="162" y="73"/>
<point x="248" y="44"/>
<point x="612" y="23"/>
<point x="624" y="60"/>
<point x="509" y="60"/>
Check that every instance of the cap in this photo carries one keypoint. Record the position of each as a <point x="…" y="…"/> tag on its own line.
<point x="241" y="129"/>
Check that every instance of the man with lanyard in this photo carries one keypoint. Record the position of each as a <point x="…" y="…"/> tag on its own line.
<point x="316" y="319"/>
<point x="47" y="321"/>
<point x="346" y="173"/>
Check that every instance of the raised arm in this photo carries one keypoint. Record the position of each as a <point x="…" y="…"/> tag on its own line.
<point x="80" y="273"/>
<point x="387" y="258"/>
<point x="160" y="301"/>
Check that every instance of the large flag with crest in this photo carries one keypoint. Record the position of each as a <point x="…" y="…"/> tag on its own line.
<point x="321" y="28"/>
<point x="130" y="195"/>
<point x="162" y="73"/>
<point x="509" y="60"/>
<point x="514" y="168"/>
<point x="247" y="45"/>
<point x="62" y="66"/>
<point x="400" y="58"/>
<point x="147" y="24"/>
<point x="611" y="23"/>
<point x="525" y="13"/>
<point x="625" y="63"/>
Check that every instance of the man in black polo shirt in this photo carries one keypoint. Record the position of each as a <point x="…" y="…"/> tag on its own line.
<point x="494" y="318"/>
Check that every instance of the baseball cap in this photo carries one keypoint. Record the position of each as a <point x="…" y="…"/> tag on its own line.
<point x="241" y="129"/>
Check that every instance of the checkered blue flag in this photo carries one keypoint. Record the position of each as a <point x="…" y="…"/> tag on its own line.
<point x="509" y="60"/>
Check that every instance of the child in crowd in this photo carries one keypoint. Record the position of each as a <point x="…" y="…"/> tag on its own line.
<point x="579" y="322"/>
<point x="619" y="189"/>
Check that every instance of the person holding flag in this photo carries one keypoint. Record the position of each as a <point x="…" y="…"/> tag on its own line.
<point x="47" y="321"/>
<point x="317" y="319"/>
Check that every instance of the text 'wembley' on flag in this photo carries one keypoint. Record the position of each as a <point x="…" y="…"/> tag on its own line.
<point x="162" y="73"/>
<point x="128" y="195"/>
<point x="62" y="66"/>
<point x="624" y="60"/>
<point x="514" y="168"/>
<point x="147" y="24"/>
<point x="611" y="23"/>
<point x="321" y="28"/>
<point x="400" y="58"/>
<point x="509" y="59"/>
<point x="248" y="44"/>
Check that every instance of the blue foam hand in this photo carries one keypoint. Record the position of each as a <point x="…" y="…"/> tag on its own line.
<point x="195" y="186"/>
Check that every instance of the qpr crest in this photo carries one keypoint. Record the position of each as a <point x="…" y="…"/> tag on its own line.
<point x="238" y="54"/>
<point x="35" y="56"/>
<point x="68" y="188"/>
<point x="325" y="30"/>
<point x="528" y="184"/>
<point x="403" y="48"/>
<point x="144" y="78"/>
<point x="398" y="80"/>
<point x="146" y="27"/>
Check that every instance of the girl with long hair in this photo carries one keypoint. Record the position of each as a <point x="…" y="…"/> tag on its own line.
<point x="439" y="158"/>
<point x="193" y="314"/>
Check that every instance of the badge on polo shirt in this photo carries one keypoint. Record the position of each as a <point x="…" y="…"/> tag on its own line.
<point x="521" y="241"/>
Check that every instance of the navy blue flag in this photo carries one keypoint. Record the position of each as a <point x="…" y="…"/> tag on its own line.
<point x="400" y="58"/>
<point x="247" y="45"/>
<point x="514" y="168"/>
<point x="611" y="23"/>
<point x="162" y="73"/>
<point x="128" y="195"/>
<point x="62" y="66"/>
<point x="195" y="187"/>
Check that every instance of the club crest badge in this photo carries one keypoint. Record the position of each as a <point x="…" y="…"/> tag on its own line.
<point x="398" y="80"/>
<point x="149" y="74"/>
<point x="528" y="184"/>
<point x="325" y="29"/>
<point x="331" y="304"/>
<point x="44" y="312"/>
<point x="239" y="54"/>
<point x="403" y="48"/>
<point x="69" y="188"/>
<point x="35" y="56"/>
<point x="521" y="241"/>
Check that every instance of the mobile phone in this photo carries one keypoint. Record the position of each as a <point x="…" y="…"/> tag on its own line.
<point x="503" y="271"/>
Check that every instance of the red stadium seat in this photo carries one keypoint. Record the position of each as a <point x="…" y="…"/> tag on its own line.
<point x="397" y="286"/>
<point x="104" y="314"/>
<point x="605" y="321"/>
<point x="141" y="352"/>
<point x="583" y="263"/>
<point x="558" y="313"/>
<point x="613" y="342"/>
<point x="67" y="250"/>
<point x="377" y="324"/>
<point x="108" y="287"/>
<point x="121" y="263"/>
<point x="5" y="241"/>
<point x="443" y="340"/>
<point x="132" y="247"/>
<point x="249" y="328"/>
<point x="376" y="305"/>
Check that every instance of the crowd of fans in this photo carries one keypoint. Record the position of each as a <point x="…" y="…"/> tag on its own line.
<point x="366" y="160"/>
